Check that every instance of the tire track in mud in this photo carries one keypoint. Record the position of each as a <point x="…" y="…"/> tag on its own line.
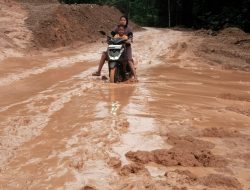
<point x="27" y="118"/>
<point x="113" y="136"/>
<point x="52" y="64"/>
<point x="34" y="117"/>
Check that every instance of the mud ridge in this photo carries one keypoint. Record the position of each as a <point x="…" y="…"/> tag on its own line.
<point x="133" y="169"/>
<point x="186" y="152"/>
<point x="59" y="25"/>
<point x="228" y="48"/>
<point x="230" y="96"/>
<point x="242" y="111"/>
<point x="32" y="26"/>
<point x="212" y="180"/>
<point x="217" y="180"/>
<point x="220" y="132"/>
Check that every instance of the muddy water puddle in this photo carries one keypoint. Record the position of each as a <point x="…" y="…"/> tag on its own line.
<point x="73" y="131"/>
<point x="84" y="125"/>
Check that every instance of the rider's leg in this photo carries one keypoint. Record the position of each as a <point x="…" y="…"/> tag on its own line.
<point x="131" y="61"/>
<point x="135" y="63"/>
<point x="132" y="67"/>
<point x="101" y="63"/>
<point x="124" y="66"/>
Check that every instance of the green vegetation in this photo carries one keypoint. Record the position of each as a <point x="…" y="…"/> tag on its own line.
<point x="214" y="14"/>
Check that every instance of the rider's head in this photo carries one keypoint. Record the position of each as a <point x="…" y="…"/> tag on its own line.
<point x="124" y="21"/>
<point x="121" y="30"/>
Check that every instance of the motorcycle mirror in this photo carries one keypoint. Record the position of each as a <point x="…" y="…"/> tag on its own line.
<point x="130" y="34"/>
<point x="102" y="33"/>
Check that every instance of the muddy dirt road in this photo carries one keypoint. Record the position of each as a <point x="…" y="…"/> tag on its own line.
<point x="185" y="125"/>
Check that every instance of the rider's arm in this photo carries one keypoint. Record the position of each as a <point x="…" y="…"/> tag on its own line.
<point x="130" y="33"/>
<point x="130" y="37"/>
<point x="128" y="41"/>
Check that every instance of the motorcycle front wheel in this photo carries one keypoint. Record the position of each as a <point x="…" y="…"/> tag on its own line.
<point x="112" y="75"/>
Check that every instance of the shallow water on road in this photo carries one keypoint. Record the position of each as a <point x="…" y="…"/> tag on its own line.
<point x="61" y="128"/>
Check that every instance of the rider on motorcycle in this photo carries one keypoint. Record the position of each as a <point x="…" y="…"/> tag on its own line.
<point x="129" y="33"/>
<point x="121" y="33"/>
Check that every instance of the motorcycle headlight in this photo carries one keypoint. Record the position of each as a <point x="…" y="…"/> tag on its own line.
<point x="114" y="52"/>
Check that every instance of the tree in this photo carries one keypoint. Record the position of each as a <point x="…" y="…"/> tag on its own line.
<point x="190" y="13"/>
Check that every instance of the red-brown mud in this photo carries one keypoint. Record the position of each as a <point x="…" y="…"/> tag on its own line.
<point x="186" y="152"/>
<point x="216" y="180"/>
<point x="184" y="125"/>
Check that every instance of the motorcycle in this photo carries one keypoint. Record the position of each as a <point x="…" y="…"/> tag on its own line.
<point x="116" y="59"/>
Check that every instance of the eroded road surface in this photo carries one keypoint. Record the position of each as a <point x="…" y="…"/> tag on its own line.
<point x="185" y="124"/>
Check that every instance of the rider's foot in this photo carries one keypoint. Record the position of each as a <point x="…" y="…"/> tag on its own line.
<point x="134" y="79"/>
<point x="96" y="73"/>
<point x="104" y="78"/>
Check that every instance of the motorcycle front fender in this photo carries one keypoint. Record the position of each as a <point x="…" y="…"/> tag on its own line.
<point x="112" y="64"/>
